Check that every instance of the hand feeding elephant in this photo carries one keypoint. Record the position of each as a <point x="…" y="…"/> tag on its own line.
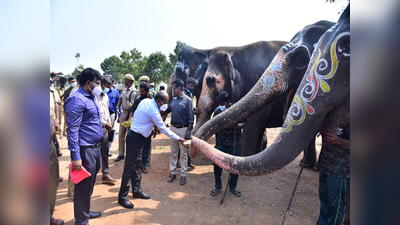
<point x="191" y="62"/>
<point x="236" y="70"/>
<point x="323" y="95"/>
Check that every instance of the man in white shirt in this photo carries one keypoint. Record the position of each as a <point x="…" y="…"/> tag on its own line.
<point x="146" y="116"/>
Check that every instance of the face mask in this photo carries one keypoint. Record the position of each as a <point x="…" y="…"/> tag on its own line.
<point x="164" y="107"/>
<point x="105" y="91"/>
<point x="188" y="90"/>
<point x="96" y="91"/>
<point x="73" y="85"/>
<point x="152" y="89"/>
<point x="222" y="107"/>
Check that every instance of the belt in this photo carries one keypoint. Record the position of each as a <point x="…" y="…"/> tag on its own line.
<point x="125" y="111"/>
<point x="93" y="146"/>
<point x="179" y="126"/>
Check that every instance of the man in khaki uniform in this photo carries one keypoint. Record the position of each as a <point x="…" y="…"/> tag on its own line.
<point x="128" y="96"/>
<point x="60" y="90"/>
<point x="147" y="80"/>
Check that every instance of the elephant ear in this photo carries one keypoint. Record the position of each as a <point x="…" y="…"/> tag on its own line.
<point x="230" y="69"/>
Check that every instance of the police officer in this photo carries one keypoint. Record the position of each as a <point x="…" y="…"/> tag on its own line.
<point x="128" y="96"/>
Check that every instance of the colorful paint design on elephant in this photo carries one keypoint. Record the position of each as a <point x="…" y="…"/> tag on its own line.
<point x="301" y="104"/>
<point x="270" y="79"/>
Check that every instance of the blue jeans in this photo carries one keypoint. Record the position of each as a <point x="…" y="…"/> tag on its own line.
<point x="332" y="192"/>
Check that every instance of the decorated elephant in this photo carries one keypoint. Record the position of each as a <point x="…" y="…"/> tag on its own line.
<point x="191" y="62"/>
<point x="236" y="70"/>
<point x="323" y="95"/>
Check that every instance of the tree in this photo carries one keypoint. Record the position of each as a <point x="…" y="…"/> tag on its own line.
<point x="173" y="58"/>
<point x="113" y="66"/>
<point x="157" y="67"/>
<point x="75" y="72"/>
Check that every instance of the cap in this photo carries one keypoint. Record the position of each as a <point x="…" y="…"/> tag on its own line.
<point x="152" y="84"/>
<point x="145" y="78"/>
<point x="129" y="77"/>
<point x="79" y="71"/>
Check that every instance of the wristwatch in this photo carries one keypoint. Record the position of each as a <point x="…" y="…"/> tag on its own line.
<point x="189" y="133"/>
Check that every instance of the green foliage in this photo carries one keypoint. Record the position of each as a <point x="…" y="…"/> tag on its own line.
<point x="75" y="72"/>
<point x="155" y="66"/>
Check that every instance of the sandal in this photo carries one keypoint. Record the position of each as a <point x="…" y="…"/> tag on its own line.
<point x="236" y="192"/>
<point x="215" y="191"/>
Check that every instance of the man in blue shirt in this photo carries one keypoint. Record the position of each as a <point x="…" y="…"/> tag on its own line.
<point x="113" y="97"/>
<point x="84" y="135"/>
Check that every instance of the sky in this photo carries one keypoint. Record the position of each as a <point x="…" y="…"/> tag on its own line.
<point x="100" y="29"/>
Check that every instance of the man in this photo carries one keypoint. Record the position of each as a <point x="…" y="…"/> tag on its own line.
<point x="61" y="91"/>
<point x="77" y="80"/>
<point x="225" y="142"/>
<point x="72" y="83"/>
<point x="334" y="173"/>
<point x="152" y="86"/>
<point x="144" y="93"/>
<point x="162" y="88"/>
<point x="54" y="176"/>
<point x="147" y="144"/>
<point x="191" y="84"/>
<point x="84" y="136"/>
<point x="102" y="101"/>
<point x="146" y="79"/>
<point x="113" y="98"/>
<point x="67" y="93"/>
<point x="128" y="96"/>
<point x="145" y="117"/>
<point x="55" y="99"/>
<point x="182" y="120"/>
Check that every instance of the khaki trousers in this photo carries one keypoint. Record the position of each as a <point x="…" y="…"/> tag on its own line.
<point x="122" y="135"/>
<point x="62" y="122"/>
<point x="175" y="147"/>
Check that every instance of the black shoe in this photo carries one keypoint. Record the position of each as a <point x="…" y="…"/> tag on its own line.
<point x="119" y="158"/>
<point x="141" y="195"/>
<point x="144" y="170"/>
<point x="109" y="154"/>
<point x="93" y="215"/>
<point x="125" y="203"/>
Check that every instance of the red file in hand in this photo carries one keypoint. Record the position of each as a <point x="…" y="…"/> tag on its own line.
<point x="76" y="176"/>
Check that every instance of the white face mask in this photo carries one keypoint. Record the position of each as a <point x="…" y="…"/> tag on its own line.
<point x="96" y="91"/>
<point x="222" y="107"/>
<point x="164" y="107"/>
<point x="106" y="89"/>
<point x="73" y="84"/>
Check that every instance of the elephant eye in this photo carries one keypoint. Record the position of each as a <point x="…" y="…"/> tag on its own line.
<point x="344" y="49"/>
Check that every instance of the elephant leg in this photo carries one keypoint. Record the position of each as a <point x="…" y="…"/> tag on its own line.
<point x="254" y="137"/>
<point x="311" y="157"/>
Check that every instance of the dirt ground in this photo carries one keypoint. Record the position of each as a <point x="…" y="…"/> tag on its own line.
<point x="264" y="198"/>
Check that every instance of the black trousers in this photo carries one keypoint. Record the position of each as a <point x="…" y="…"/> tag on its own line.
<point x="133" y="163"/>
<point x="104" y="154"/>
<point x="83" y="190"/>
<point x="146" y="151"/>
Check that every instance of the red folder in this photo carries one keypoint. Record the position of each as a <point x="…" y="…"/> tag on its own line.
<point x="76" y="176"/>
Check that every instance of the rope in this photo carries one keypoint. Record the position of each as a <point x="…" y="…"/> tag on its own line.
<point x="295" y="186"/>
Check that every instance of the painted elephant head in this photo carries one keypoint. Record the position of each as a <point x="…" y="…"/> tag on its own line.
<point x="235" y="70"/>
<point x="191" y="62"/>
<point x="324" y="93"/>
<point x="282" y="77"/>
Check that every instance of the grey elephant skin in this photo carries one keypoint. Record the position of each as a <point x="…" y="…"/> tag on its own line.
<point x="236" y="70"/>
<point x="279" y="81"/>
<point x="192" y="62"/>
<point x="323" y="95"/>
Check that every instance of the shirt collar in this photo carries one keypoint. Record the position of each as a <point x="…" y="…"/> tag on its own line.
<point x="82" y="91"/>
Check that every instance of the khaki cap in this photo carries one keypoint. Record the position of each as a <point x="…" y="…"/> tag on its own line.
<point x="152" y="84"/>
<point x="79" y="71"/>
<point x="145" y="78"/>
<point x="129" y="77"/>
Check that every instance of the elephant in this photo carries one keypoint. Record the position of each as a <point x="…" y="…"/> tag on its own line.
<point x="323" y="95"/>
<point x="236" y="70"/>
<point x="192" y="62"/>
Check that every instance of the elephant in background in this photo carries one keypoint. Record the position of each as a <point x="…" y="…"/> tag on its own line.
<point x="192" y="62"/>
<point x="323" y="95"/>
<point x="236" y="70"/>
